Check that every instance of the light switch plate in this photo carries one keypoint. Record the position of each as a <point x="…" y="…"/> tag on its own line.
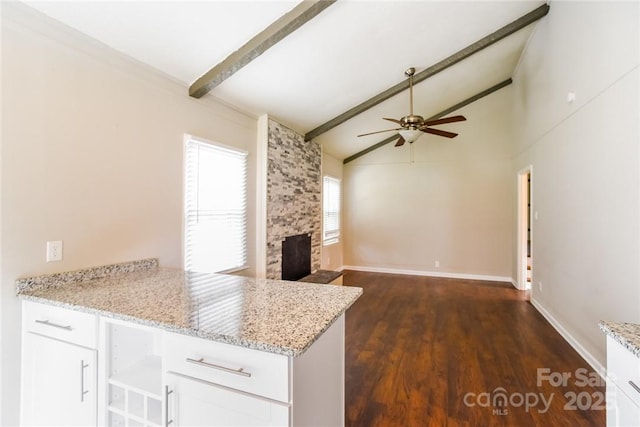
<point x="54" y="250"/>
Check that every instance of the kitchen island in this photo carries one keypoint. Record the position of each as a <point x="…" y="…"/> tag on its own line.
<point x="623" y="373"/>
<point x="182" y="348"/>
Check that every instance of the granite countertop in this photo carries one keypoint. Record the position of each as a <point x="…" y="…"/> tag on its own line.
<point x="269" y="315"/>
<point x="627" y="334"/>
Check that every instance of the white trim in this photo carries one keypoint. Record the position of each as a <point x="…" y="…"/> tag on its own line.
<point x="262" y="145"/>
<point x="231" y="152"/>
<point x="521" y="226"/>
<point x="189" y="137"/>
<point x="183" y="165"/>
<point x="335" y="239"/>
<point x="428" y="273"/>
<point x="586" y="355"/>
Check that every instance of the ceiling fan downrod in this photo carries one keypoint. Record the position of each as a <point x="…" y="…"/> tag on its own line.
<point x="409" y="73"/>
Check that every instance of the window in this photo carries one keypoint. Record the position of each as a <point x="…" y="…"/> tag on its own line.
<point x="331" y="209"/>
<point x="215" y="207"/>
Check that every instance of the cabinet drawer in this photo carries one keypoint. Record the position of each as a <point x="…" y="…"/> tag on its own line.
<point x="68" y="325"/>
<point x="623" y="368"/>
<point x="261" y="373"/>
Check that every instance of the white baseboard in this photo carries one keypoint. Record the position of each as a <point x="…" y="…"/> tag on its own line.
<point x="429" y="273"/>
<point x="516" y="285"/>
<point x="586" y="355"/>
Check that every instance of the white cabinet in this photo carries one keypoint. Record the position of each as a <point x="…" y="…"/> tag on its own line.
<point x="132" y="368"/>
<point x="621" y="410"/>
<point x="196" y="402"/>
<point x="58" y="377"/>
<point x="80" y="369"/>
<point x="60" y="323"/>
<point x="210" y="383"/>
<point x="623" y="386"/>
<point x="216" y="384"/>
<point x="244" y="369"/>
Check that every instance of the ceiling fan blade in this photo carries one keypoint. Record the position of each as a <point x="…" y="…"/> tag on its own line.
<point x="393" y="120"/>
<point x="400" y="142"/>
<point x="451" y="119"/>
<point x="380" y="131"/>
<point x="439" y="132"/>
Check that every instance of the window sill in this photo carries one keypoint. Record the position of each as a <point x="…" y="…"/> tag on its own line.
<point x="233" y="270"/>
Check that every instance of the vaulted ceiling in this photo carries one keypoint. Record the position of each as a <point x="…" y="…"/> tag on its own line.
<point x="350" y="52"/>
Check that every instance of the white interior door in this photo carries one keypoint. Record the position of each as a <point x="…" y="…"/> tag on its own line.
<point x="525" y="228"/>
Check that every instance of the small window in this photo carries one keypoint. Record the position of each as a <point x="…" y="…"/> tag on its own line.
<point x="215" y="207"/>
<point x="331" y="209"/>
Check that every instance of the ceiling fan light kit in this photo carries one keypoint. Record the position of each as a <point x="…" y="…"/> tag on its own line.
<point x="412" y="126"/>
<point x="410" y="135"/>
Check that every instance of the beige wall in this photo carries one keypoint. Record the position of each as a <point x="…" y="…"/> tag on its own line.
<point x="91" y="155"/>
<point x="585" y="157"/>
<point x="332" y="254"/>
<point x="437" y="200"/>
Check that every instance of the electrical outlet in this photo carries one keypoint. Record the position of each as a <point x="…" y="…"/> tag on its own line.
<point x="540" y="286"/>
<point x="54" y="250"/>
<point x="437" y="264"/>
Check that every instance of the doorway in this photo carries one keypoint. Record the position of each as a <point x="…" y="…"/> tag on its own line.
<point x="525" y="255"/>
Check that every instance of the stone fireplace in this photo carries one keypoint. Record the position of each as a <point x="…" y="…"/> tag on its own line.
<point x="294" y="182"/>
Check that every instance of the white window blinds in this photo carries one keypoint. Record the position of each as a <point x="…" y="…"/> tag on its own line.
<point x="331" y="209"/>
<point x="215" y="235"/>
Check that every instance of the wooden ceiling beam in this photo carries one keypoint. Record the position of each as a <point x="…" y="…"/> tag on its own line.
<point x="285" y="25"/>
<point x="442" y="113"/>
<point x="487" y="41"/>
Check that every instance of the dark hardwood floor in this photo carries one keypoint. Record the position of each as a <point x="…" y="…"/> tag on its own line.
<point x="423" y="351"/>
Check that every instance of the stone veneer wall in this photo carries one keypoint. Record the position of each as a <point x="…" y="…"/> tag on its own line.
<point x="294" y="182"/>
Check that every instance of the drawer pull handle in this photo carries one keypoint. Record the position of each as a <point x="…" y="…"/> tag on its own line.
<point x="82" y="390"/>
<point x="55" y="325"/>
<point x="167" y="392"/>
<point x="201" y="362"/>
<point x="635" y="387"/>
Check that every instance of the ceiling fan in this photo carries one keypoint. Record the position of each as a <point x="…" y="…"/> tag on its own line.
<point x="412" y="125"/>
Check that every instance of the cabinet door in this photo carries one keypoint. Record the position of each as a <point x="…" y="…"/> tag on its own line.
<point x="58" y="383"/>
<point x="621" y="410"/>
<point x="194" y="402"/>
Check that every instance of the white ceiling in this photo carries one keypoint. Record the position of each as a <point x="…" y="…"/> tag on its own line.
<point x="348" y="53"/>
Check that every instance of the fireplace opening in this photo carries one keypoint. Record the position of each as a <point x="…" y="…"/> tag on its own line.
<point x="296" y="257"/>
